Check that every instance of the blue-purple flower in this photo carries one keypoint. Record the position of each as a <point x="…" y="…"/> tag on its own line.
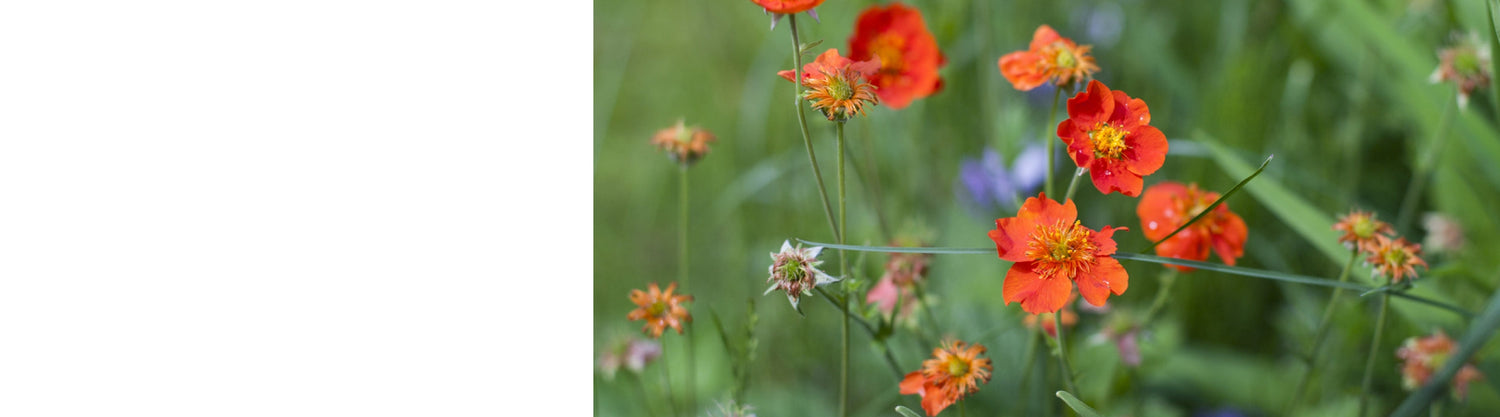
<point x="989" y="185"/>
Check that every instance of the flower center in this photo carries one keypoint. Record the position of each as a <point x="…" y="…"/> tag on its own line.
<point x="656" y="309"/>
<point x="1395" y="257"/>
<point x="1064" y="58"/>
<point x="888" y="48"/>
<point x="1364" y="228"/>
<point x="791" y="270"/>
<point x="957" y="367"/>
<point x="840" y="88"/>
<point x="1061" y="248"/>
<point x="1109" y="141"/>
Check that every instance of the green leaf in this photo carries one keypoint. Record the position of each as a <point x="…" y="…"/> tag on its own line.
<point x="1216" y="203"/>
<point x="906" y="412"/>
<point x="1077" y="405"/>
<point x="1475" y="337"/>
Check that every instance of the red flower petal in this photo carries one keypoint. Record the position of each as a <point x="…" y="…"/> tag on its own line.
<point x="1113" y="174"/>
<point x="1036" y="294"/>
<point x="1020" y="68"/>
<point x="1145" y="150"/>
<point x="1107" y="275"/>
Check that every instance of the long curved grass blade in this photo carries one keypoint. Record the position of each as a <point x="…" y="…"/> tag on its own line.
<point x="1234" y="270"/>
<point x="1242" y="271"/>
<point x="1216" y="203"/>
<point x="902" y="249"/>
<point x="1077" y="405"/>
<point x="1478" y="333"/>
<point x="906" y="412"/>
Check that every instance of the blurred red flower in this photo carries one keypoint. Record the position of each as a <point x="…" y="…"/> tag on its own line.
<point x="1110" y="134"/>
<point x="787" y="6"/>
<point x="909" y="56"/>
<point x="1051" y="250"/>
<point x="1168" y="205"/>
<point x="1051" y="57"/>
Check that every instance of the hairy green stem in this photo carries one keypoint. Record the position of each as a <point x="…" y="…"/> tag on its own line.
<point x="1320" y="335"/>
<point x="1047" y="134"/>
<point x="685" y="276"/>
<point x="1364" y="390"/>
<point x="844" y="270"/>
<point x="1062" y="353"/>
<point x="1168" y="278"/>
<point x="1073" y="185"/>
<point x="812" y="157"/>
<point x="1424" y="170"/>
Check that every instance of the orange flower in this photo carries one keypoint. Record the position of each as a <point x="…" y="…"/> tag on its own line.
<point x="954" y="371"/>
<point x="684" y="145"/>
<point x="1395" y="259"/>
<point x="659" y="309"/>
<point x="909" y="56"/>
<point x="1051" y="57"/>
<point x="1360" y="229"/>
<point x="1052" y="250"/>
<point x="1422" y="356"/>
<point x="836" y="85"/>
<point x="1166" y="206"/>
<point x="1110" y="134"/>
<point x="787" y="6"/>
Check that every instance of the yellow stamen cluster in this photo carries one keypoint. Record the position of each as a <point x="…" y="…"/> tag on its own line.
<point x="1109" y="141"/>
<point x="840" y="94"/>
<point x="1061" y="249"/>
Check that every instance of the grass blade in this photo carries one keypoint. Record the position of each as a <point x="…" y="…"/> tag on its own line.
<point x="1077" y="405"/>
<point x="1216" y="203"/>
<point x="906" y="412"/>
<point x="902" y="249"/>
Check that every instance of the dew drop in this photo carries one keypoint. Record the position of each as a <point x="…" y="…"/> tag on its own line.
<point x="1152" y="226"/>
<point x="1108" y="173"/>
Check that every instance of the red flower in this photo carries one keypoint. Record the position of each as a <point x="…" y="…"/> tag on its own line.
<point x="1110" y="134"/>
<point x="1166" y="206"/>
<point x="909" y="56"/>
<point x="787" y="6"/>
<point x="1051" y="250"/>
<point x="1421" y="357"/>
<point x="954" y="371"/>
<point x="1051" y="57"/>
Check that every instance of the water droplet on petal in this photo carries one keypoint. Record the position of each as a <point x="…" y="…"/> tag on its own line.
<point x="1108" y="173"/>
<point x="1151" y="226"/>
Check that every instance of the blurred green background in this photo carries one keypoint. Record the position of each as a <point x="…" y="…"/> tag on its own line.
<point x="1337" y="90"/>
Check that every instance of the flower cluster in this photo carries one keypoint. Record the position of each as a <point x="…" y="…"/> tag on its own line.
<point x="1423" y="356"/>
<point x="1392" y="257"/>
<point x="954" y="371"/>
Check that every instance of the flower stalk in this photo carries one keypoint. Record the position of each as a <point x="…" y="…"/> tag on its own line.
<point x="812" y="157"/>
<point x="683" y="276"/>
<point x="1321" y="334"/>
<point x="1380" y="319"/>
<point x="843" y="270"/>
<point x="1424" y="171"/>
<point x="1062" y="354"/>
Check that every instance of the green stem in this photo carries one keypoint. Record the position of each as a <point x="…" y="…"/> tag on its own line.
<point x="685" y="276"/>
<point x="1168" y="277"/>
<point x="640" y="384"/>
<point x="1073" y="185"/>
<point x="1030" y="355"/>
<point x="932" y="318"/>
<point x="1424" y="170"/>
<point x="961" y="411"/>
<point x="890" y="360"/>
<point x="1062" y="353"/>
<point x="1321" y="334"/>
<point x="666" y="379"/>
<point x="1364" y="391"/>
<point x="812" y="157"/>
<point x="1048" y="131"/>
<point x="844" y="270"/>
